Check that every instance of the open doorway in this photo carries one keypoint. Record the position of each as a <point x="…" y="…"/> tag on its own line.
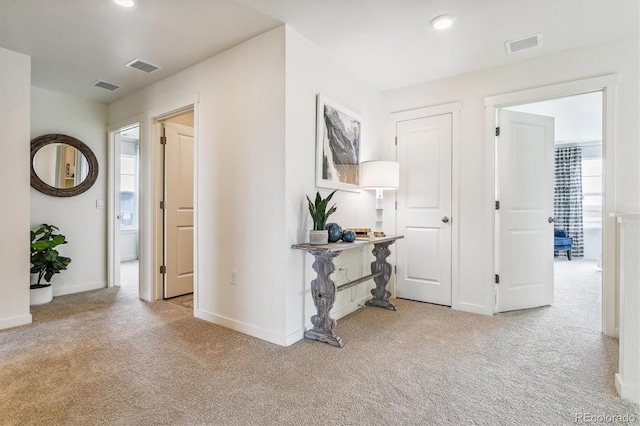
<point x="175" y="236"/>
<point x="124" y="208"/>
<point x="577" y="197"/>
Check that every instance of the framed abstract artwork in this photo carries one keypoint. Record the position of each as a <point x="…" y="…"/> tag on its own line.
<point x="338" y="133"/>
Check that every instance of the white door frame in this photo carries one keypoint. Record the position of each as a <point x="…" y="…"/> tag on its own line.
<point x="454" y="109"/>
<point x="608" y="85"/>
<point x="113" y="271"/>
<point x="151" y="221"/>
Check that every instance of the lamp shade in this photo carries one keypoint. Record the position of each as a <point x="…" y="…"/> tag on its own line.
<point x="379" y="175"/>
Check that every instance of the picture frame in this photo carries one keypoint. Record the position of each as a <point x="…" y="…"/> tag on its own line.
<point x="338" y="137"/>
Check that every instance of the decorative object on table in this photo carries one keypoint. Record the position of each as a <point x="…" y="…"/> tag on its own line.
<point x="378" y="234"/>
<point x="46" y="261"/>
<point x="348" y="236"/>
<point x="364" y="233"/>
<point x="319" y="213"/>
<point x="335" y="232"/>
<point x="337" y="146"/>
<point x="379" y="175"/>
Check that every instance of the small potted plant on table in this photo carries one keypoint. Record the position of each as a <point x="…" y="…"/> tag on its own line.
<point x="319" y="214"/>
<point x="46" y="261"/>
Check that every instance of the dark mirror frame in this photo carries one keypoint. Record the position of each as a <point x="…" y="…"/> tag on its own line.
<point x="41" y="186"/>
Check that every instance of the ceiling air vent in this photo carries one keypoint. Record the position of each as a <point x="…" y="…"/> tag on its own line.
<point x="524" y="43"/>
<point x="106" y="85"/>
<point x="141" y="65"/>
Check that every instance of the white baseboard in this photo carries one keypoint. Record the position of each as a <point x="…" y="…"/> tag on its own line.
<point x="294" y="337"/>
<point x="618" y="384"/>
<point x="630" y="393"/>
<point x="57" y="291"/>
<point x="351" y="307"/>
<point x="336" y="314"/>
<point x="270" y="336"/>
<point x="15" y="321"/>
<point x="242" y="327"/>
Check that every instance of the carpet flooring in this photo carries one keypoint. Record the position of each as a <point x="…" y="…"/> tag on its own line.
<point x="106" y="358"/>
<point x="186" y="301"/>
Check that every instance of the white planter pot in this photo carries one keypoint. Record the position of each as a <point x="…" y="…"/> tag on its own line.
<point x="318" y="237"/>
<point x="40" y="296"/>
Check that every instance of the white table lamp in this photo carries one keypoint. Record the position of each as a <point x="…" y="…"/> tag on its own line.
<point x="379" y="175"/>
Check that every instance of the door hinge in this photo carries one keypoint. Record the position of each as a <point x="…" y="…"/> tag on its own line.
<point x="163" y="269"/>
<point x="396" y="141"/>
<point x="497" y="279"/>
<point x="497" y="205"/>
<point x="396" y="205"/>
<point x="497" y="131"/>
<point x="395" y="269"/>
<point x="163" y="205"/>
<point x="163" y="140"/>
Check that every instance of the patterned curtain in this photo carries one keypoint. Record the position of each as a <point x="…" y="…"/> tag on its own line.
<point x="568" y="195"/>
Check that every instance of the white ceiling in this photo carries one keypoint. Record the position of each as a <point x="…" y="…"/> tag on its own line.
<point x="387" y="42"/>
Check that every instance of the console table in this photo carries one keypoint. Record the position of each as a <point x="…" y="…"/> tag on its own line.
<point x="323" y="289"/>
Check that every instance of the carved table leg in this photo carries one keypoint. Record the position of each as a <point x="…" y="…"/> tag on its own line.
<point x="380" y="293"/>
<point x="323" y="291"/>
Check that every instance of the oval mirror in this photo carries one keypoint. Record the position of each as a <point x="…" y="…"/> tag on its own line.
<point x="62" y="166"/>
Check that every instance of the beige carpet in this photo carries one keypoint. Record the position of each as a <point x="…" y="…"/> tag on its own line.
<point x="185" y="301"/>
<point x="106" y="358"/>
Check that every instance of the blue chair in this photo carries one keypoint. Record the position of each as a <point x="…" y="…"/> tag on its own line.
<point x="562" y="242"/>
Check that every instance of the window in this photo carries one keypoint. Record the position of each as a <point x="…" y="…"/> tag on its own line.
<point x="128" y="201"/>
<point x="592" y="192"/>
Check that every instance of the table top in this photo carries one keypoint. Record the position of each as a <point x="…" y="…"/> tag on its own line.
<point x="341" y="245"/>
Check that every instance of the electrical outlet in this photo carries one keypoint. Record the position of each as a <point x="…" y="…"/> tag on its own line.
<point x="234" y="277"/>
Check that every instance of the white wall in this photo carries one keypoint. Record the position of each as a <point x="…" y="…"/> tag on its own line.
<point x="255" y="164"/>
<point x="240" y="192"/>
<point x="15" y="82"/>
<point x="619" y="57"/>
<point x="128" y="245"/>
<point x="310" y="71"/>
<point x="79" y="220"/>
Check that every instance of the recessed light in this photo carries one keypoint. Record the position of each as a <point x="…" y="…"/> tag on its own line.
<point x="125" y="3"/>
<point x="442" y="22"/>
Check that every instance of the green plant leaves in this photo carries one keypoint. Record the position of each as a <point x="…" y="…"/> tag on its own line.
<point x="318" y="210"/>
<point x="45" y="259"/>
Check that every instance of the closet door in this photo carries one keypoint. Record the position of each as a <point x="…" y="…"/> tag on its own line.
<point x="424" y="209"/>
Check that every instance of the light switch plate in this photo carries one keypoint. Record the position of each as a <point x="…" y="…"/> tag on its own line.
<point x="99" y="204"/>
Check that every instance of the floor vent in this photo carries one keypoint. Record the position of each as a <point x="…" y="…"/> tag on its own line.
<point x="145" y="66"/>
<point x="524" y="43"/>
<point x="106" y="85"/>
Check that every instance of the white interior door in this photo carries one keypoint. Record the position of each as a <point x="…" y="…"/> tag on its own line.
<point x="424" y="209"/>
<point x="179" y="209"/>
<point x="525" y="177"/>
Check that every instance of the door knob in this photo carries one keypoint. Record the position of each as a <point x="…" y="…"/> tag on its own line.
<point x="552" y="219"/>
<point x="445" y="219"/>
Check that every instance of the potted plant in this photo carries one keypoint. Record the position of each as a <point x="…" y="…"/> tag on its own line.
<point x="46" y="261"/>
<point x="319" y="214"/>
